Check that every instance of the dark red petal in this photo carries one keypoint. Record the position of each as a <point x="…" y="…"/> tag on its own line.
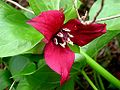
<point x="59" y="59"/>
<point x="48" y="23"/>
<point x="83" y="34"/>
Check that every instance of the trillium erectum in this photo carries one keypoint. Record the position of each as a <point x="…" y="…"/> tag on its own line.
<point x="57" y="35"/>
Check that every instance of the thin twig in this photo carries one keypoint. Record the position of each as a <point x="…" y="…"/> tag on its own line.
<point x="85" y="16"/>
<point x="18" y="5"/>
<point x="11" y="87"/>
<point x="108" y="18"/>
<point x="77" y="11"/>
<point x="104" y="19"/>
<point x="101" y="7"/>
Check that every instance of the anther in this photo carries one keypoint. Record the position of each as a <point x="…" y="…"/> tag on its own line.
<point x="60" y="34"/>
<point x="63" y="44"/>
<point x="67" y="30"/>
<point x="56" y="41"/>
<point x="70" y="35"/>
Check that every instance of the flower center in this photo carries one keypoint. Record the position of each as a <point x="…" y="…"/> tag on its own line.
<point x="63" y="37"/>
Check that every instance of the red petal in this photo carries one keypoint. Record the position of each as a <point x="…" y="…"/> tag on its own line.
<point x="48" y="23"/>
<point x="59" y="59"/>
<point x="83" y="34"/>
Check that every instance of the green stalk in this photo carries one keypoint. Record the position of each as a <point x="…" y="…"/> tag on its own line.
<point x="88" y="79"/>
<point x="11" y="87"/>
<point x="103" y="72"/>
<point x="101" y="83"/>
<point x="96" y="81"/>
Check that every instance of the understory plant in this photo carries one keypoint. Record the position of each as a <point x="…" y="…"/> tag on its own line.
<point x="49" y="46"/>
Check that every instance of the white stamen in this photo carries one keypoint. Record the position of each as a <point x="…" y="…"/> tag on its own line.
<point x="69" y="41"/>
<point x="67" y="30"/>
<point x="56" y="41"/>
<point x="60" y="34"/>
<point x="63" y="44"/>
<point x="70" y="35"/>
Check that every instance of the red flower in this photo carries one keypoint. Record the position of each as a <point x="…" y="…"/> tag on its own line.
<point x="57" y="35"/>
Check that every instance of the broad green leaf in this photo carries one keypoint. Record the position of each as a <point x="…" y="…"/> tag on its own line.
<point x="20" y="65"/>
<point x="43" y="79"/>
<point x="38" y="49"/>
<point x="69" y="85"/>
<point x="4" y="79"/>
<point x="16" y="36"/>
<point x="49" y="79"/>
<point x="97" y="44"/>
<point x="44" y="5"/>
<point x="23" y="85"/>
<point x="41" y="63"/>
<point x="39" y="6"/>
<point x="28" y="14"/>
<point x="111" y="7"/>
<point x="34" y="57"/>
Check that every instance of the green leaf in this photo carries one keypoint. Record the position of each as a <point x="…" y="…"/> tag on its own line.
<point x="28" y="14"/>
<point x="43" y="79"/>
<point x="74" y="48"/>
<point x="16" y="36"/>
<point x="41" y="63"/>
<point x="69" y="85"/>
<point x="38" y="49"/>
<point x="97" y="44"/>
<point x="20" y="65"/>
<point x="44" y="5"/>
<point x="39" y="6"/>
<point x="70" y="12"/>
<point x="23" y="85"/>
<point x="4" y="79"/>
<point x="111" y="7"/>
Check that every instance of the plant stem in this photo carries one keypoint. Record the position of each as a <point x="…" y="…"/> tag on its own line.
<point x="18" y="5"/>
<point x="75" y="6"/>
<point x="96" y="81"/>
<point x="101" y="7"/>
<point x="88" y="79"/>
<point x="103" y="72"/>
<point x="11" y="87"/>
<point x="108" y="18"/>
<point x="101" y="83"/>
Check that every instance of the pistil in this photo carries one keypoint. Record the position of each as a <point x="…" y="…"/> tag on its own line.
<point x="63" y="37"/>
